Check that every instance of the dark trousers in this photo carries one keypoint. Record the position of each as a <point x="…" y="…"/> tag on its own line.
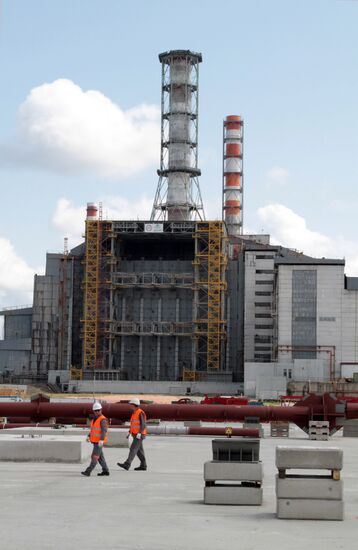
<point x="97" y="456"/>
<point x="136" y="449"/>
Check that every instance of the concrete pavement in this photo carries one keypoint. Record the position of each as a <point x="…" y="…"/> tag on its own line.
<point x="51" y="506"/>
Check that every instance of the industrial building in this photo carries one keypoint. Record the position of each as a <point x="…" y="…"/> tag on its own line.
<point x="177" y="302"/>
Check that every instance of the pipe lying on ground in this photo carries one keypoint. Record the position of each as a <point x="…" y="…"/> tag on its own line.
<point x="319" y="407"/>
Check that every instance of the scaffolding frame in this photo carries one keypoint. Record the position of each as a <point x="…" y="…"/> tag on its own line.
<point x="210" y="287"/>
<point x="96" y="293"/>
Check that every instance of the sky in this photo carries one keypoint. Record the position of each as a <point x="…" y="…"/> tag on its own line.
<point x="80" y="119"/>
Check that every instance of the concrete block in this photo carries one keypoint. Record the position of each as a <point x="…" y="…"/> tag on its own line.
<point x="236" y="450"/>
<point x="310" y="509"/>
<point x="311" y="487"/>
<point x="234" y="471"/>
<point x="116" y="437"/>
<point x="43" y="449"/>
<point x="312" y="458"/>
<point x="349" y="431"/>
<point x="319" y="437"/>
<point x="318" y="424"/>
<point x="234" y="495"/>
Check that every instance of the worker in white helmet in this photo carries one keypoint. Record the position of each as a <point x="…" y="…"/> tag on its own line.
<point x="138" y="430"/>
<point x="98" y="436"/>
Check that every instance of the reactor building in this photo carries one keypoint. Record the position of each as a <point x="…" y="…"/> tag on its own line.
<point x="178" y="302"/>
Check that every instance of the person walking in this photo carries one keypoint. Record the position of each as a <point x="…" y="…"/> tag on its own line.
<point x="98" y="436"/>
<point x="138" y="430"/>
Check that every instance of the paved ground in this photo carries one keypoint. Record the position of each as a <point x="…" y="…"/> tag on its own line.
<point x="48" y="506"/>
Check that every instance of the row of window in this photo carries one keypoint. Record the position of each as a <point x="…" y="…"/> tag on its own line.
<point x="263" y="338"/>
<point x="263" y="315"/>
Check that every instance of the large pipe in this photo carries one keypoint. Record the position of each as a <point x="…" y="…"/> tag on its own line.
<point x="320" y="407"/>
<point x="209" y="413"/>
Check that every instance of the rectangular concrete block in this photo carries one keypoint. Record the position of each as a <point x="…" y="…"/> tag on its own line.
<point x="234" y="471"/>
<point x="236" y="450"/>
<point x="116" y="437"/>
<point x="311" y="487"/>
<point x="44" y="449"/>
<point x="310" y="509"/>
<point x="248" y="496"/>
<point x="313" y="458"/>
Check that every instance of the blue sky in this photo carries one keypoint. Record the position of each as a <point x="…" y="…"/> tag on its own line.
<point x="288" y="68"/>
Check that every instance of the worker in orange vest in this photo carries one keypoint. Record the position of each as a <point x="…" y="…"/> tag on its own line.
<point x="138" y="430"/>
<point x="98" y="436"/>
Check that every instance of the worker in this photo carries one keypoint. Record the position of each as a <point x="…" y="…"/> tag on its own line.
<point x="98" y="436"/>
<point x="138" y="430"/>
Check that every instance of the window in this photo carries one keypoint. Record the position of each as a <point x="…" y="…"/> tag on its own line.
<point x="261" y="282"/>
<point x="265" y="271"/>
<point x="262" y="304"/>
<point x="304" y="313"/>
<point x="263" y="338"/>
<point x="262" y="293"/>
<point x="264" y="327"/>
<point x="264" y="257"/>
<point x="266" y="348"/>
<point x="263" y="315"/>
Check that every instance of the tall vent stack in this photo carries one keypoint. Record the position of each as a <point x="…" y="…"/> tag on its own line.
<point x="232" y="174"/>
<point x="178" y="196"/>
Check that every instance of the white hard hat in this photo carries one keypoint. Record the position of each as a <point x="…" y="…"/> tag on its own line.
<point x="134" y="401"/>
<point x="96" y="406"/>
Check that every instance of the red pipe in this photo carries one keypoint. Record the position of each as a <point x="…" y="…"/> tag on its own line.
<point x="209" y="430"/>
<point x="318" y="407"/>
<point x="45" y="410"/>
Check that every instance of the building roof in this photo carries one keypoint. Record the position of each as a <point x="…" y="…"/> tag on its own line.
<point x="307" y="260"/>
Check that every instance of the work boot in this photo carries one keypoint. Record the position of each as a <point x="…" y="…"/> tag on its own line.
<point x="86" y="473"/>
<point x="141" y="468"/>
<point x="123" y="465"/>
<point x="104" y="473"/>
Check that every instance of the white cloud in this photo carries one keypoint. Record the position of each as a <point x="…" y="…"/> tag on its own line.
<point x="278" y="176"/>
<point x="70" y="219"/>
<point x="16" y="277"/>
<point x="67" y="130"/>
<point x="290" y="230"/>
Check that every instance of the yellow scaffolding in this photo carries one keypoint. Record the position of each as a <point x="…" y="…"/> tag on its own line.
<point x="91" y="294"/>
<point x="210" y="287"/>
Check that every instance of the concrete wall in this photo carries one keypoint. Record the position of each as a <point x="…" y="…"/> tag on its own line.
<point x="146" y="387"/>
<point x="45" y="324"/>
<point x="336" y="315"/>
<point x="15" y="349"/>
<point x="259" y="280"/>
<point x="266" y="380"/>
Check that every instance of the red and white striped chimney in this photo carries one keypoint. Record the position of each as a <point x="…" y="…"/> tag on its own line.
<point x="232" y="174"/>
<point x="92" y="211"/>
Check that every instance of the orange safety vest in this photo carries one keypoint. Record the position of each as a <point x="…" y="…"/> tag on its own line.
<point x="95" y="433"/>
<point x="135" y="422"/>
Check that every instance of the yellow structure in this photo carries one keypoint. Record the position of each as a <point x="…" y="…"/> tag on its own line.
<point x="209" y="291"/>
<point x="91" y="293"/>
